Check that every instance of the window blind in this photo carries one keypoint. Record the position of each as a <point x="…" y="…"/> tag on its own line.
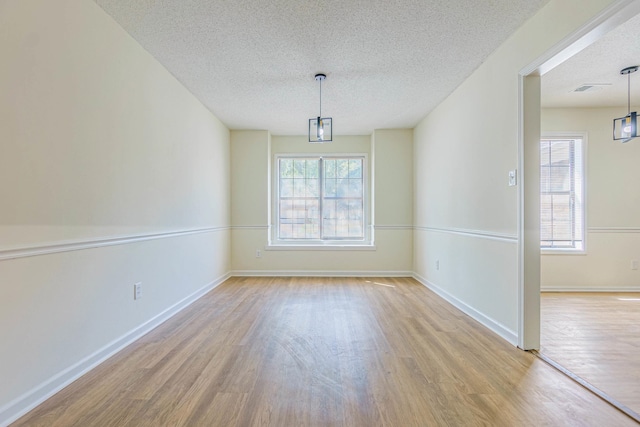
<point x="561" y="194"/>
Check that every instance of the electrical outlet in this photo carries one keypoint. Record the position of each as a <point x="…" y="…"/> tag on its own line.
<point x="634" y="264"/>
<point x="513" y="178"/>
<point x="137" y="291"/>
<point x="437" y="264"/>
<point x="258" y="253"/>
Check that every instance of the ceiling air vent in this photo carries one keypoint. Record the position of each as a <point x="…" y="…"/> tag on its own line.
<point x="591" y="87"/>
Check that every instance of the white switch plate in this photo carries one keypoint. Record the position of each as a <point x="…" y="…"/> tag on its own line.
<point x="513" y="180"/>
<point x="634" y="264"/>
<point x="137" y="290"/>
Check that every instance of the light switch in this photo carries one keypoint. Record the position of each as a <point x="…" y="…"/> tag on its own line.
<point x="512" y="178"/>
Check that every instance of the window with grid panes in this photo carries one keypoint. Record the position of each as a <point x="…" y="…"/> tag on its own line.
<point x="562" y="194"/>
<point x="320" y="198"/>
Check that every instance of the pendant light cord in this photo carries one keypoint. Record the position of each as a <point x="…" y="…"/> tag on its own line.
<point x="320" y="97"/>
<point x="628" y="93"/>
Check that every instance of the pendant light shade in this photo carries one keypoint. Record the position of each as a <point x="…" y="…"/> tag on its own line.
<point x="626" y="128"/>
<point x="320" y="128"/>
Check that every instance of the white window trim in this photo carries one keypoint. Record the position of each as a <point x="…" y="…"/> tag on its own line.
<point x="313" y="245"/>
<point x="577" y="135"/>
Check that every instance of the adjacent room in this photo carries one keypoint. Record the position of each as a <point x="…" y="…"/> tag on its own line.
<point x="303" y="213"/>
<point x="589" y="276"/>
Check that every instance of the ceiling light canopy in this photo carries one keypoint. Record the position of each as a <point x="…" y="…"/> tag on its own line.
<point x="626" y="128"/>
<point x="320" y="128"/>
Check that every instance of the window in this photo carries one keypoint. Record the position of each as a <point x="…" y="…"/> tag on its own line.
<point x="562" y="194"/>
<point x="320" y="199"/>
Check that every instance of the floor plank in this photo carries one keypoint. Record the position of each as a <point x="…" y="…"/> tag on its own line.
<point x="323" y="352"/>
<point x="597" y="337"/>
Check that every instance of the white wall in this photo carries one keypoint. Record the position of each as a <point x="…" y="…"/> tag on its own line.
<point x="613" y="206"/>
<point x="465" y="214"/>
<point x="390" y="170"/>
<point x="111" y="173"/>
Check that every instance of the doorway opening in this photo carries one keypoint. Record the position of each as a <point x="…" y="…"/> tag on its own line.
<point x="552" y="319"/>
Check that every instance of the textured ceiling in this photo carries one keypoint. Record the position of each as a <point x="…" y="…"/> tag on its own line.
<point x="388" y="62"/>
<point x="599" y="63"/>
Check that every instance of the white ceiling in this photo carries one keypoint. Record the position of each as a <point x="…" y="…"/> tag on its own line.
<point x="388" y="62"/>
<point x="599" y="63"/>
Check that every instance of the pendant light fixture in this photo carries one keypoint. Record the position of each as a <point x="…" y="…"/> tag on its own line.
<point x="626" y="128"/>
<point x="320" y="128"/>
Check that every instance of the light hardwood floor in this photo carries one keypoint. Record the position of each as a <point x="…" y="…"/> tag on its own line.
<point x="597" y="337"/>
<point x="323" y="352"/>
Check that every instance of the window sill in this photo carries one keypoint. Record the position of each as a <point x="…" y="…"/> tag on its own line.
<point x="563" y="252"/>
<point x="320" y="247"/>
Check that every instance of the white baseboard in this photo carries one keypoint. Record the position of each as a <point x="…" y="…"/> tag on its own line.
<point x="29" y="400"/>
<point x="319" y="273"/>
<point x="496" y="327"/>
<point x="590" y="289"/>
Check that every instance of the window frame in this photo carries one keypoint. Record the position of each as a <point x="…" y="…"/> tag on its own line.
<point x="366" y="243"/>
<point x="546" y="136"/>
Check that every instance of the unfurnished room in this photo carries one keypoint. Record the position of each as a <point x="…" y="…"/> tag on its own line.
<point x="319" y="213"/>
